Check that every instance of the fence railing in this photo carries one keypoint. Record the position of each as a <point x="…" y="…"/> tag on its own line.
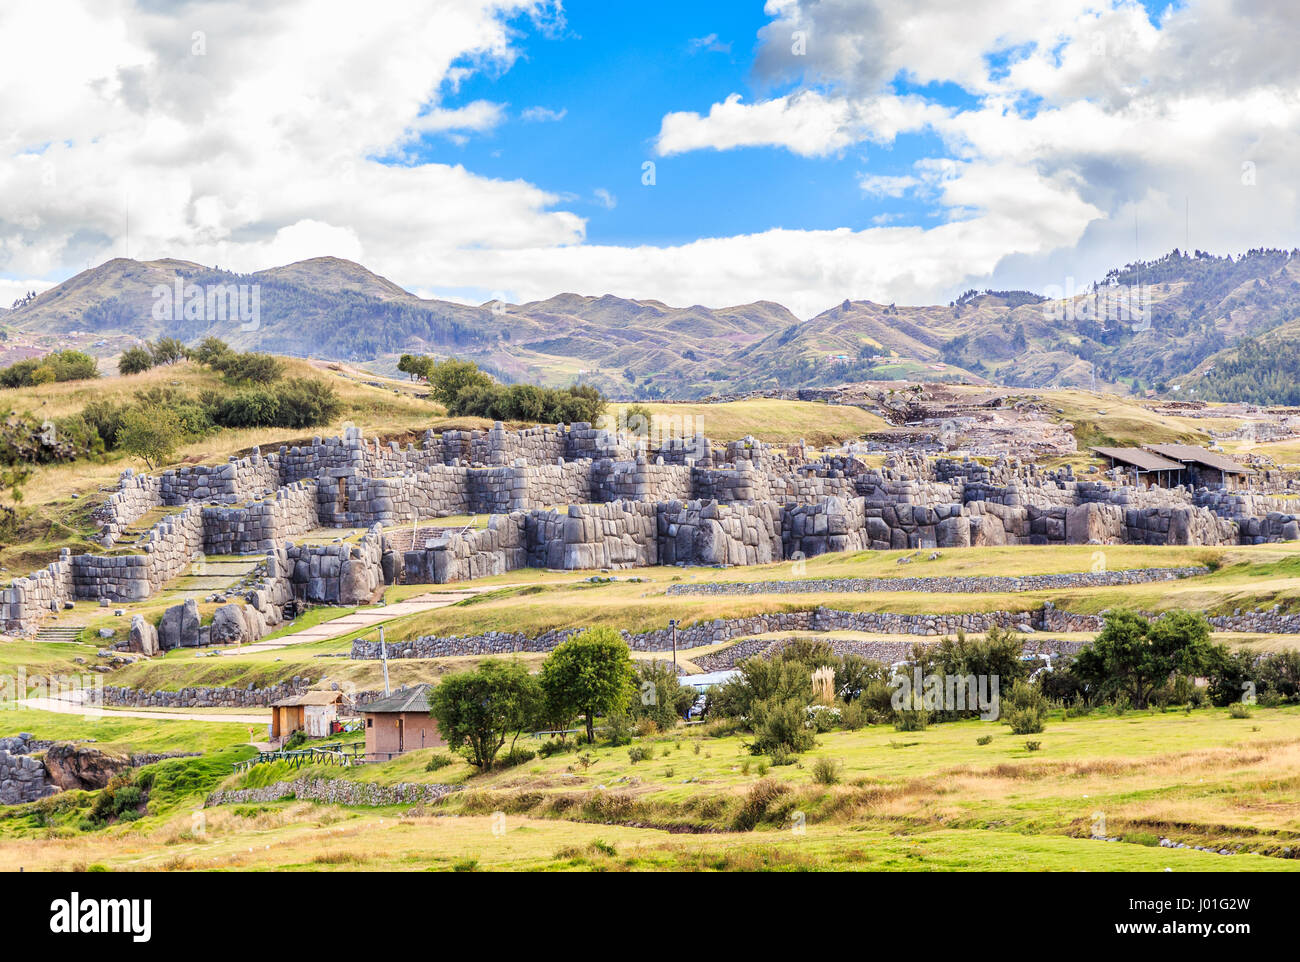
<point x="346" y="755"/>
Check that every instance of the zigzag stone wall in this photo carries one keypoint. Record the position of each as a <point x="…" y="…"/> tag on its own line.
<point x="741" y="503"/>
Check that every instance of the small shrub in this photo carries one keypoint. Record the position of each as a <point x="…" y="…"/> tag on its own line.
<point x="826" y="771"/>
<point x="640" y="753"/>
<point x="758" y="803"/>
<point x="984" y="740"/>
<point x="517" y="756"/>
<point x="1033" y="746"/>
<point x="439" y="760"/>
<point x="618" y="729"/>
<point x="1238" y="710"/>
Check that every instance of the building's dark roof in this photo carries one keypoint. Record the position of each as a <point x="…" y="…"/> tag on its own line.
<point x="407" y="699"/>
<point x="1143" y="460"/>
<point x="1190" y="452"/>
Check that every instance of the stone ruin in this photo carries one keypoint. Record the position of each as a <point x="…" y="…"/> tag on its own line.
<point x="577" y="497"/>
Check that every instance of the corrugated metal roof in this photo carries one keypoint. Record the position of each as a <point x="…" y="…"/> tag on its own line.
<point x="1190" y="452"/>
<point x="410" y="699"/>
<point x="1143" y="460"/>
<point x="309" y="698"/>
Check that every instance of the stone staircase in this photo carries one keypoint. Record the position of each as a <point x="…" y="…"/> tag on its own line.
<point x="60" y="634"/>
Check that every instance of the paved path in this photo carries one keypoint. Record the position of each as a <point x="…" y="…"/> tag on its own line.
<point x="70" y="706"/>
<point x="363" y="618"/>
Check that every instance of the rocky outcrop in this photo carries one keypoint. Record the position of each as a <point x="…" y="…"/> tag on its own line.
<point x="72" y="766"/>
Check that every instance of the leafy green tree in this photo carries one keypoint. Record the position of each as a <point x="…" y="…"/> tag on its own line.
<point x="448" y="379"/>
<point x="590" y="674"/>
<point x="478" y="710"/>
<point x="1134" y="656"/>
<point x="134" y="360"/>
<point x="149" y="433"/>
<point x="210" y="350"/>
<point x="167" y="350"/>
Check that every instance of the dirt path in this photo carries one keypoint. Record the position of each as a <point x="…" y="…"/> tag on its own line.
<point x="69" y="706"/>
<point x="361" y="619"/>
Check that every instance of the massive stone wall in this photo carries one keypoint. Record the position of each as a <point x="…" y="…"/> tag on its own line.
<point x="616" y="535"/>
<point x="714" y="533"/>
<point x="740" y="503"/>
<point x="471" y="553"/>
<point x="260" y="526"/>
<point x="344" y="573"/>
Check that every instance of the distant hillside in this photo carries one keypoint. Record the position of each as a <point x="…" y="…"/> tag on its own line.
<point x="1192" y="308"/>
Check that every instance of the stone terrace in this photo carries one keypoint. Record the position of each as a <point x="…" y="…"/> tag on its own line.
<point x="578" y="497"/>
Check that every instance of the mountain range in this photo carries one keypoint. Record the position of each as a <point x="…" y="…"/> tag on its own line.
<point x="1148" y="325"/>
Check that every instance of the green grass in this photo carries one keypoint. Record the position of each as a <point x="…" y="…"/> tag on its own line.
<point x="126" y="734"/>
<point x="919" y="800"/>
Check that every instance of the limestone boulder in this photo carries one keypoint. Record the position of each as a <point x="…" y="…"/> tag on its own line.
<point x="143" y="636"/>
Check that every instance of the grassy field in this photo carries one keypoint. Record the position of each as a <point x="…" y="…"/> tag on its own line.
<point x="933" y="799"/>
<point x="766" y="419"/>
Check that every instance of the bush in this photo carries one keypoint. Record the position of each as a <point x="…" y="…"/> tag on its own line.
<point x="1033" y="746"/>
<point x="618" y="729"/>
<point x="439" y="760"/>
<point x="984" y="740"/>
<point x="1238" y="710"/>
<point x="661" y="698"/>
<point x="1024" y="721"/>
<point x="825" y="771"/>
<point x="758" y="803"/>
<point x="823" y="718"/>
<point x="780" y="727"/>
<point x="134" y="360"/>
<point x="854" y="715"/>
<point x="913" y="717"/>
<point x="516" y="756"/>
<point x="1024" y="709"/>
<point x="59" y="366"/>
<point x="640" y="753"/>
<point x="247" y="368"/>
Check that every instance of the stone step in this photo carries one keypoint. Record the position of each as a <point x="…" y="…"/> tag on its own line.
<point x="64" y="634"/>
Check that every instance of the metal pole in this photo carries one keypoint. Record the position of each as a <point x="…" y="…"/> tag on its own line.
<point x="674" y="624"/>
<point x="383" y="656"/>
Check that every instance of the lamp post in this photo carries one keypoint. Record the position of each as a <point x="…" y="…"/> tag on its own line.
<point x="673" y="625"/>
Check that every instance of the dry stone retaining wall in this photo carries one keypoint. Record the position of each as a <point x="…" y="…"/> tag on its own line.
<point x="952" y="585"/>
<point x="334" y="791"/>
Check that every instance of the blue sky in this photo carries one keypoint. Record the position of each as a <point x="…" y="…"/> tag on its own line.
<point x="616" y="69"/>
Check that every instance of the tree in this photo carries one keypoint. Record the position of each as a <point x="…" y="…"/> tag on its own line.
<point x="134" y="360"/>
<point x="167" y="350"/>
<point x="451" y="377"/>
<point x="210" y="350"/>
<point x="1134" y="656"/>
<point x="589" y="675"/>
<point x="477" y="710"/>
<point x="661" y="697"/>
<point x="149" y="433"/>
